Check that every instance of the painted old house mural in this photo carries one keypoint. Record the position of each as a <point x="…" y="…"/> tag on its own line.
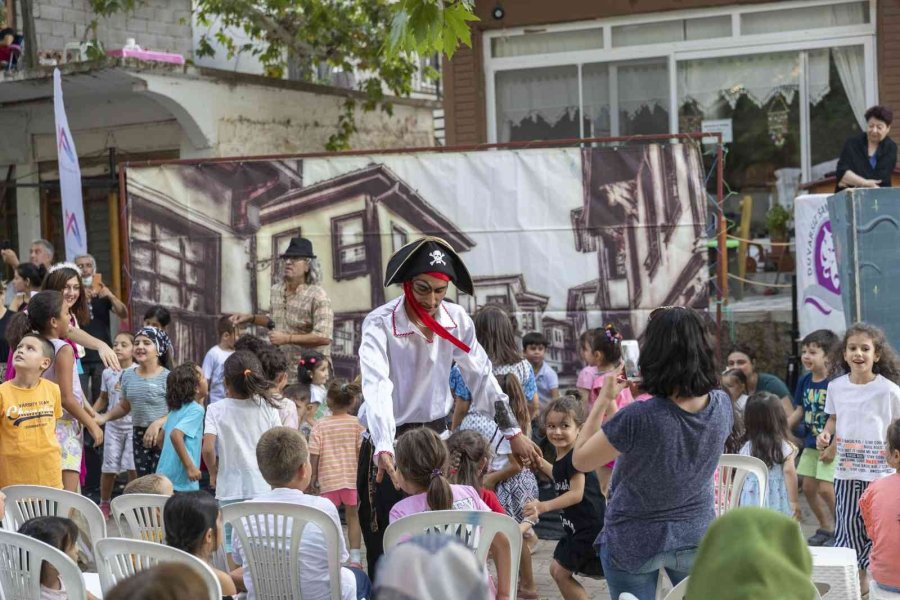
<point x="564" y="239"/>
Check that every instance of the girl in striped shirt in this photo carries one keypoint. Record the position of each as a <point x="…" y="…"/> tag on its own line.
<point x="334" y="453"/>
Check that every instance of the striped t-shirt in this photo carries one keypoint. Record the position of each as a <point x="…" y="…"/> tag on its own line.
<point x="147" y="396"/>
<point x="336" y="440"/>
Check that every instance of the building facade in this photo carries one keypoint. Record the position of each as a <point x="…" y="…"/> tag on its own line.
<point x="787" y="82"/>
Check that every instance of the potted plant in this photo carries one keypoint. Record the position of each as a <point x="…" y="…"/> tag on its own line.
<point x="777" y="220"/>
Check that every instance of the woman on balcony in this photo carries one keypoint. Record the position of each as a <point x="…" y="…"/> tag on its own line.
<point x="868" y="159"/>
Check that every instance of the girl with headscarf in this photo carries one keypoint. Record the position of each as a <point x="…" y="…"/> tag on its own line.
<point x="144" y="396"/>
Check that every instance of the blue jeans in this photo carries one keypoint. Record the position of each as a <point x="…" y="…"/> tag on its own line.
<point x="363" y="584"/>
<point x="642" y="583"/>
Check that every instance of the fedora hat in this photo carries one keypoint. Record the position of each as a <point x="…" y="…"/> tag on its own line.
<point x="299" y="248"/>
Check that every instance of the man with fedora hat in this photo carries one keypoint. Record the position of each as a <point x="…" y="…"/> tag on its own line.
<point x="301" y="310"/>
<point x="408" y="347"/>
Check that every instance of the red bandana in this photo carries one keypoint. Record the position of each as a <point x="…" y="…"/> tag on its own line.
<point x="427" y="319"/>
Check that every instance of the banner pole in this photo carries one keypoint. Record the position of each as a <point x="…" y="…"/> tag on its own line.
<point x="722" y="262"/>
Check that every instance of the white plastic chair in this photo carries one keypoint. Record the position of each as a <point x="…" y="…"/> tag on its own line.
<point x="20" y="568"/>
<point x="140" y="516"/>
<point x="678" y="592"/>
<point x="120" y="558"/>
<point x="474" y="527"/>
<point x="730" y="477"/>
<point x="25" y="502"/>
<point x="270" y="535"/>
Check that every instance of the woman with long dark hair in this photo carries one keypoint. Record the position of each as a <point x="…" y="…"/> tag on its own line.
<point x="666" y="451"/>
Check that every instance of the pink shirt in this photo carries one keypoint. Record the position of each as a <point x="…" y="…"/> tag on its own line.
<point x="586" y="377"/>
<point x="880" y="507"/>
<point x="464" y="498"/>
<point x="623" y="399"/>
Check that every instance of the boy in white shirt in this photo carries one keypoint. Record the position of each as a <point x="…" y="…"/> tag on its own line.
<point x="283" y="459"/>
<point x="214" y="362"/>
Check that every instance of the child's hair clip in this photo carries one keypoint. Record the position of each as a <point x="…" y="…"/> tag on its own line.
<point x="312" y="361"/>
<point x="301" y="362"/>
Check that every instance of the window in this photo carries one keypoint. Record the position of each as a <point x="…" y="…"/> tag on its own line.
<point x="498" y="299"/>
<point x="547" y="43"/>
<point x="805" y="17"/>
<point x="538" y="104"/>
<point x="527" y="321"/>
<point x="343" y="344"/>
<point x="399" y="237"/>
<point x="672" y="31"/>
<point x="349" y="246"/>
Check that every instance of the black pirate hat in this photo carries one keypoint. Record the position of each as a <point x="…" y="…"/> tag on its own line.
<point x="428" y="255"/>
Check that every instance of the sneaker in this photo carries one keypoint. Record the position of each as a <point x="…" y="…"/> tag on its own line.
<point x="821" y="536"/>
<point x="104" y="508"/>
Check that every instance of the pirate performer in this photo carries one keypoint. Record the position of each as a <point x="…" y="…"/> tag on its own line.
<point x="408" y="347"/>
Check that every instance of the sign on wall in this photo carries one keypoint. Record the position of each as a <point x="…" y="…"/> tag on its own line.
<point x="564" y="239"/>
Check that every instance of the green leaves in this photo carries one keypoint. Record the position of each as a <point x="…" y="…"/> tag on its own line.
<point x="430" y="26"/>
<point x="379" y="41"/>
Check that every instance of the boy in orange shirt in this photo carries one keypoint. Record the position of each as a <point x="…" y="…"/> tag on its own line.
<point x="30" y="406"/>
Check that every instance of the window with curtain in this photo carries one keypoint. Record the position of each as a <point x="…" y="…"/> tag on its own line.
<point x="805" y="17"/>
<point x="538" y="104"/>
<point x="759" y="93"/>
<point x="547" y="42"/>
<point x="837" y="111"/>
<point x="348" y="245"/>
<point x="641" y="101"/>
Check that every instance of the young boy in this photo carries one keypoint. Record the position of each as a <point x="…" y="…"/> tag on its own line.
<point x="816" y="467"/>
<point x="118" y="454"/>
<point x="535" y="345"/>
<point x="29" y="407"/>
<point x="306" y="412"/>
<point x="283" y="459"/>
<point x="214" y="362"/>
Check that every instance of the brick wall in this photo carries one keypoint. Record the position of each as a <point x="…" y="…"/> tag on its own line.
<point x="463" y="77"/>
<point x="155" y="25"/>
<point x="888" y="53"/>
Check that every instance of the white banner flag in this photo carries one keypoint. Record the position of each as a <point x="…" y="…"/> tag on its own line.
<point x="818" y="281"/>
<point x="69" y="177"/>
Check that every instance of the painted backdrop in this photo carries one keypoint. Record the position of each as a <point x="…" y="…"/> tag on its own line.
<point x="564" y="239"/>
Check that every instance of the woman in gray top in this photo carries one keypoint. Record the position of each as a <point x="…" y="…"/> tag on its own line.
<point x="666" y="451"/>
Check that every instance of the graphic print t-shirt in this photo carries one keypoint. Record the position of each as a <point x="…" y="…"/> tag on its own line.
<point x="29" y="452"/>
<point x="864" y="413"/>
<point x="811" y="396"/>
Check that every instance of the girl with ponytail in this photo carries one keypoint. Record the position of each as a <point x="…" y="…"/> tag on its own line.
<point x="470" y="457"/>
<point x="194" y="524"/>
<point x="421" y="471"/>
<point x="233" y="427"/>
<point x="48" y="316"/>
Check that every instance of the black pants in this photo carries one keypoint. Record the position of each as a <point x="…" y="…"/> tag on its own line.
<point x="90" y="379"/>
<point x="375" y="503"/>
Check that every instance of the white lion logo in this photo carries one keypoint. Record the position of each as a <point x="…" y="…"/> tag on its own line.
<point x="437" y="258"/>
<point x="828" y="260"/>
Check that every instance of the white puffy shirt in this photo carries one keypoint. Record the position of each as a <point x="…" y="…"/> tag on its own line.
<point x="406" y="378"/>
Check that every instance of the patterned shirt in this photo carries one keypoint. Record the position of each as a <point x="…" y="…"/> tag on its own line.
<point x="307" y="310"/>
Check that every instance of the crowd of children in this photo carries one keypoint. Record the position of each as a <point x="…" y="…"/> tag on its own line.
<point x="258" y="438"/>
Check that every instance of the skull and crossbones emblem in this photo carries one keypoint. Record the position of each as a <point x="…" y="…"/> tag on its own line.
<point x="437" y="258"/>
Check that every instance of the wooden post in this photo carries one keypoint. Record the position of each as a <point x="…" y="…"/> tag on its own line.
<point x="115" y="253"/>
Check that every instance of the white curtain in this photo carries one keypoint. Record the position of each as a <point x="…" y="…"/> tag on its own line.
<point x="595" y="87"/>
<point x="548" y="93"/>
<point x="642" y="85"/>
<point x="850" y="61"/>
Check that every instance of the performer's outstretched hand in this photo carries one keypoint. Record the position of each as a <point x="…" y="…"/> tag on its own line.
<point x="526" y="451"/>
<point x="386" y="465"/>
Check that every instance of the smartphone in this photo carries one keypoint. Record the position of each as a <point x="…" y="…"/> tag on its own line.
<point x="5" y="245"/>
<point x="631" y="354"/>
<point x="97" y="283"/>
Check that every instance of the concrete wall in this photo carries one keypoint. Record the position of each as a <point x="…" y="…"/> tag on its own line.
<point x="155" y="25"/>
